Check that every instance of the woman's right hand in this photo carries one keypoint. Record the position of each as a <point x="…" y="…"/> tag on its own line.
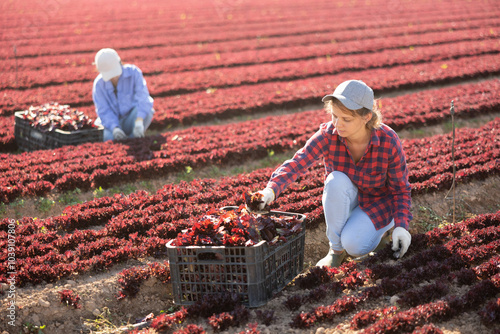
<point x="267" y="198"/>
<point x="118" y="134"/>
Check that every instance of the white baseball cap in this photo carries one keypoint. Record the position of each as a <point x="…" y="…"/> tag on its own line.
<point x="108" y="63"/>
<point x="354" y="95"/>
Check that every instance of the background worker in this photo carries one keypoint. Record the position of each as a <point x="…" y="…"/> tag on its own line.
<point x="366" y="190"/>
<point x="121" y="98"/>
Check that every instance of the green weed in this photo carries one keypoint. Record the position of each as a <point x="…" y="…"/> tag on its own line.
<point x="187" y="175"/>
<point x="148" y="186"/>
<point x="30" y="328"/>
<point x="44" y="205"/>
<point x="70" y="197"/>
<point x="427" y="220"/>
<point x="125" y="189"/>
<point x="17" y="205"/>
<point x="99" y="192"/>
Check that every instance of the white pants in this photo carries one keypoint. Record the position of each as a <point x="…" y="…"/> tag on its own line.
<point x="347" y="226"/>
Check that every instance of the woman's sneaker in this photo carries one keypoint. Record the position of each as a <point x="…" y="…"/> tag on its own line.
<point x="332" y="259"/>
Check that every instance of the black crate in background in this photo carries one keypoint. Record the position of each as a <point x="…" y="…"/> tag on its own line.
<point x="31" y="139"/>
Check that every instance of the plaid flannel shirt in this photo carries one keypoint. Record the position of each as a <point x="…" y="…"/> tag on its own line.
<point x="381" y="175"/>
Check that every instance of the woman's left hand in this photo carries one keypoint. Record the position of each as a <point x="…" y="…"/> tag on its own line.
<point x="401" y="240"/>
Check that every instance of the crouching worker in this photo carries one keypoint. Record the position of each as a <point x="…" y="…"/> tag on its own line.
<point x="366" y="191"/>
<point x="121" y="98"/>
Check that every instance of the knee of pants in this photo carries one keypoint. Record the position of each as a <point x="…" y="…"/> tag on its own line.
<point x="336" y="185"/>
<point x="354" y="246"/>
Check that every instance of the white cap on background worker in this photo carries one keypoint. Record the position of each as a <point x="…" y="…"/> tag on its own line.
<point x="108" y="63"/>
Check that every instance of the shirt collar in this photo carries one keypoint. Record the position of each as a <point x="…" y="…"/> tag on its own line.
<point x="125" y="74"/>
<point x="125" y="71"/>
<point x="109" y="86"/>
<point x="374" y="138"/>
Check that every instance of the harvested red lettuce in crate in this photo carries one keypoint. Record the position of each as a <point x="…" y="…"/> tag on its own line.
<point x="52" y="116"/>
<point x="237" y="251"/>
<point x="239" y="227"/>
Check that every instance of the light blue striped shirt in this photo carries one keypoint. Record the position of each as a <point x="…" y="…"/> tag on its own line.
<point x="131" y="92"/>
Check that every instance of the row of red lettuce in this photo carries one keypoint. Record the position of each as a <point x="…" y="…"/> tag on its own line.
<point x="38" y="74"/>
<point x="462" y="255"/>
<point x="425" y="282"/>
<point x="141" y="224"/>
<point x="227" y="102"/>
<point x="447" y="272"/>
<point x="78" y="93"/>
<point x="212" y="54"/>
<point x="90" y="167"/>
<point x="44" y="40"/>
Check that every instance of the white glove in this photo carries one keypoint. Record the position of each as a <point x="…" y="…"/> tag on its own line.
<point x="400" y="236"/>
<point x="267" y="198"/>
<point x="118" y="134"/>
<point x="139" y="128"/>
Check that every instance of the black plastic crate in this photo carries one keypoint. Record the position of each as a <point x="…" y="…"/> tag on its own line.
<point x="255" y="273"/>
<point x="29" y="138"/>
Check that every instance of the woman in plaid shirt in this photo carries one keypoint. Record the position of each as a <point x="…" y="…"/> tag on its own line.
<point x="366" y="189"/>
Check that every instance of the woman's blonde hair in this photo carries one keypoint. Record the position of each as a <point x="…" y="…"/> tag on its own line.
<point x="373" y="123"/>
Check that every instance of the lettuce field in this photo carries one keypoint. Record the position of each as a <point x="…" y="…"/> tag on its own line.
<point x="237" y="84"/>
